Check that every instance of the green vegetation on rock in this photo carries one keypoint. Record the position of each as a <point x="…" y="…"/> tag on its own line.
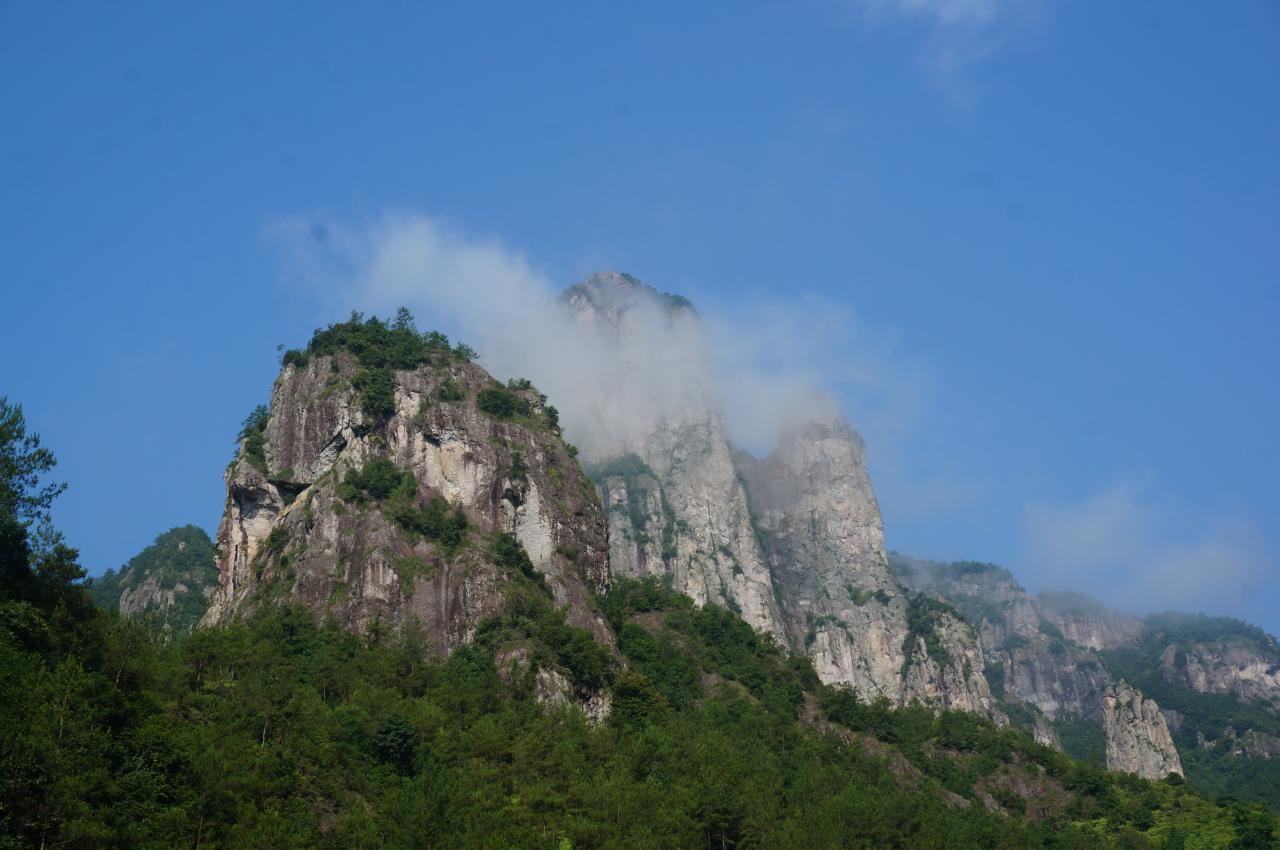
<point x="631" y="469"/>
<point x="376" y="344"/>
<point x="923" y="616"/>
<point x="502" y="403"/>
<point x="396" y="492"/>
<point x="178" y="567"/>
<point x="252" y="438"/>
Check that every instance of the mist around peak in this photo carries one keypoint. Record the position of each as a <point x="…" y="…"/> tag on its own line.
<point x="613" y="353"/>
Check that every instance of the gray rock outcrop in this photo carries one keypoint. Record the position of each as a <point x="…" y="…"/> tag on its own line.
<point x="1250" y="670"/>
<point x="676" y="505"/>
<point x="820" y="526"/>
<point x="1138" y="738"/>
<point x="1040" y="666"/>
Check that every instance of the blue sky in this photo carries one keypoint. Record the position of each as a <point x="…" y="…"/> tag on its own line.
<point x="1051" y="227"/>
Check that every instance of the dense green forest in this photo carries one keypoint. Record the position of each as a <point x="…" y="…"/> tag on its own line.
<point x="283" y="732"/>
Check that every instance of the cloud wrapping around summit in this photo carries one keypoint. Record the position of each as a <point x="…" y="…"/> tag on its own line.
<point x="761" y="361"/>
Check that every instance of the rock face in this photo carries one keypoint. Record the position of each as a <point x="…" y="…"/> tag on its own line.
<point x="1039" y="666"/>
<point x="292" y="530"/>
<point x="1138" y="739"/>
<point x="1085" y="622"/>
<point x="794" y="542"/>
<point x="820" y="527"/>
<point x="1247" y="669"/>
<point x="1053" y="660"/>
<point x="675" y="503"/>
<point x="171" y="580"/>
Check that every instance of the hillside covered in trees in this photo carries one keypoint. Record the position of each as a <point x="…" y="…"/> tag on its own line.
<point x="278" y="731"/>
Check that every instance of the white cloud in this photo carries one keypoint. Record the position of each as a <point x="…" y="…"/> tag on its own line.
<point x="961" y="32"/>
<point x="944" y="13"/>
<point x="1125" y="547"/>
<point x="776" y="356"/>
<point x="762" y="361"/>
<point x="403" y="258"/>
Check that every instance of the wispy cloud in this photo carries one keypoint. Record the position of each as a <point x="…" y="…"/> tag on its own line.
<point x="960" y="32"/>
<point x="1126" y="547"/>
<point x="772" y="354"/>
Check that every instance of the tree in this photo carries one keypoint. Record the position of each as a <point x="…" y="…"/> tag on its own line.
<point x="404" y="321"/>
<point x="395" y="743"/>
<point x="23" y="502"/>
<point x="23" y="462"/>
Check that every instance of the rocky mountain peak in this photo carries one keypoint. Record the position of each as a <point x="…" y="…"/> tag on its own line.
<point x="393" y="481"/>
<point x="607" y="296"/>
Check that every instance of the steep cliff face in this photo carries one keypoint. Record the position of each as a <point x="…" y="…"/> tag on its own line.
<point x="379" y="496"/>
<point x="1051" y="659"/>
<point x="794" y="542"/>
<point x="675" y="503"/>
<point x="1248" y="669"/>
<point x="820" y="527"/>
<point x="1060" y="682"/>
<point x="1137" y="735"/>
<point x="1086" y="622"/>
<point x="1037" y="664"/>
<point x="171" y="580"/>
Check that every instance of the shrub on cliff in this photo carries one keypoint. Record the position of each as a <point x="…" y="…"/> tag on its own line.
<point x="381" y="481"/>
<point x="378" y="345"/>
<point x="502" y="404"/>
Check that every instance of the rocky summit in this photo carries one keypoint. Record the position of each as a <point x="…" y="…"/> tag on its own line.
<point x="387" y="486"/>
<point x="169" y="583"/>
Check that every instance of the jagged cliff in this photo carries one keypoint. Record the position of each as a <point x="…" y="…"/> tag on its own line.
<point x="793" y="542"/>
<point x="676" y="505"/>
<point x="820" y="527"/>
<point x="380" y="485"/>
<point x="1052" y="657"/>
<point x="1137" y="735"/>
<point x="171" y="580"/>
<point x="1238" y="660"/>
<point x="1025" y="639"/>
<point x="392" y="484"/>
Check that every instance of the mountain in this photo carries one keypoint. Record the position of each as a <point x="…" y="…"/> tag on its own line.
<point x="393" y="481"/>
<point x="393" y="485"/>
<point x="1199" y="693"/>
<point x="171" y="580"/>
